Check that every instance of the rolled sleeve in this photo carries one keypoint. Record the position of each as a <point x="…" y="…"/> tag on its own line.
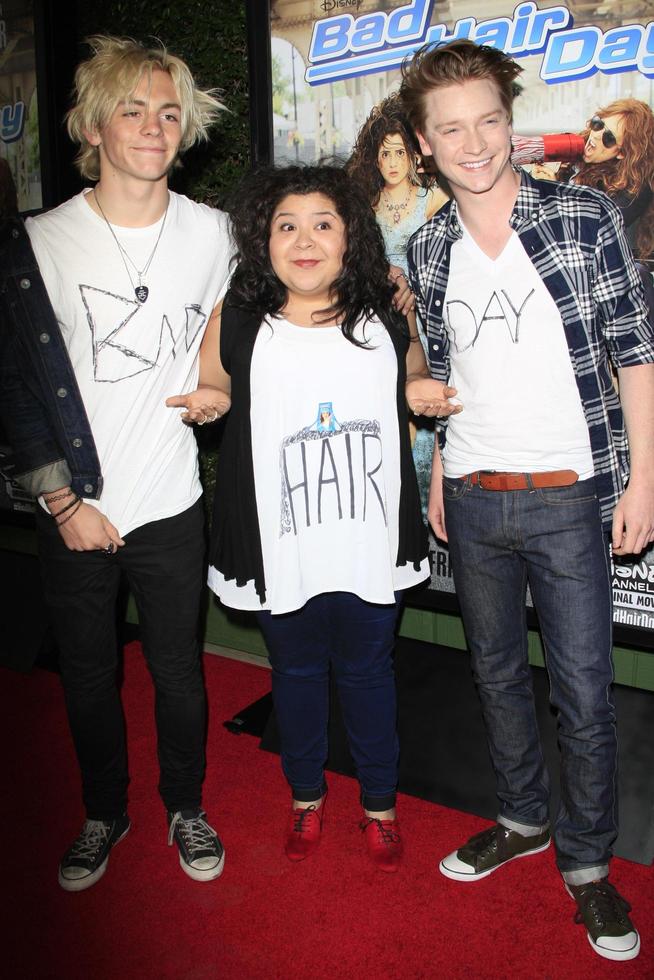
<point x="619" y="295"/>
<point x="45" y="479"/>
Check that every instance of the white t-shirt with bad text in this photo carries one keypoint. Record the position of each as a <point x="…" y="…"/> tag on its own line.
<point x="129" y="357"/>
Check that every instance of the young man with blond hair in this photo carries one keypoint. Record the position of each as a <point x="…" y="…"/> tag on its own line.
<point x="132" y="272"/>
<point x="528" y="292"/>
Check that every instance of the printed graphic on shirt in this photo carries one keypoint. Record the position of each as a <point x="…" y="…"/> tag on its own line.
<point x="124" y="344"/>
<point x="328" y="473"/>
<point x="195" y="320"/>
<point x="326" y="421"/>
<point x="464" y="322"/>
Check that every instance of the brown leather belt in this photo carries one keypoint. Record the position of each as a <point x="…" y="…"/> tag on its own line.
<point x="490" y="480"/>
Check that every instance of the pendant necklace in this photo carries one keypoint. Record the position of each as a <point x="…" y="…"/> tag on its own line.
<point x="140" y="290"/>
<point x="396" y="208"/>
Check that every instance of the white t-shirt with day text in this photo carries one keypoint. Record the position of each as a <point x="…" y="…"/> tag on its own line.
<point x="511" y="367"/>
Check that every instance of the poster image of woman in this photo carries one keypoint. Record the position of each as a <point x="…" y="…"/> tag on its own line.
<point x="618" y="159"/>
<point x="387" y="165"/>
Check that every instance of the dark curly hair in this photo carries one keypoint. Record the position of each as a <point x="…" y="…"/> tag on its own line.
<point x="362" y="289"/>
<point x="386" y="119"/>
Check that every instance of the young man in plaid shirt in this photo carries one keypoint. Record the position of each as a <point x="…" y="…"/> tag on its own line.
<point x="528" y="291"/>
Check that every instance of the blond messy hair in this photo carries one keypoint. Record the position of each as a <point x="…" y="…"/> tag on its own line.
<point x="111" y="75"/>
<point x="452" y="64"/>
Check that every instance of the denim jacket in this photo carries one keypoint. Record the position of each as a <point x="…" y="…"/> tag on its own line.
<point x="40" y="404"/>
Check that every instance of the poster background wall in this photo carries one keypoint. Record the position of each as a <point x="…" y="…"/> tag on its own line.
<point x="310" y="120"/>
<point x="19" y="121"/>
<point x="330" y="66"/>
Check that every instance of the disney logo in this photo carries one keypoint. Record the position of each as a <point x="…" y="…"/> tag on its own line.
<point x="328" y="5"/>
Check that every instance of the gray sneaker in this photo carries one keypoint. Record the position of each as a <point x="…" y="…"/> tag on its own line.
<point x="86" y="859"/>
<point x="489" y="850"/>
<point x="201" y="854"/>
<point x="604" y="912"/>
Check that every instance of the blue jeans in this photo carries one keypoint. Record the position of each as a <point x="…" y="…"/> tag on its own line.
<point x="553" y="539"/>
<point x="357" y="639"/>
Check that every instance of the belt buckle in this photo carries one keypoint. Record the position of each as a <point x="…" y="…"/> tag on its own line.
<point x="482" y="474"/>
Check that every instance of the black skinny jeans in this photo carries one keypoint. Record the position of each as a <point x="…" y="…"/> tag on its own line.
<point x="164" y="563"/>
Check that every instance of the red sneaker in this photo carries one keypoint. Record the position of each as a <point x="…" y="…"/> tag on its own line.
<point x="303" y="834"/>
<point x="383" y="842"/>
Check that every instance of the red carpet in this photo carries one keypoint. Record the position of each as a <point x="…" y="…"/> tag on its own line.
<point x="331" y="917"/>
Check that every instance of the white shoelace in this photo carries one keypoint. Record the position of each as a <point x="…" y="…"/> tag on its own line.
<point x="196" y="833"/>
<point x="93" y="836"/>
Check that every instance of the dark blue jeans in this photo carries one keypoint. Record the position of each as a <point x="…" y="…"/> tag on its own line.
<point x="356" y="638"/>
<point x="164" y="563"/>
<point x="553" y="539"/>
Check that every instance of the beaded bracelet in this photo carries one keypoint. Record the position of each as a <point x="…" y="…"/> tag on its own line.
<point x="67" y="507"/>
<point x="72" y="513"/>
<point x="58" y="496"/>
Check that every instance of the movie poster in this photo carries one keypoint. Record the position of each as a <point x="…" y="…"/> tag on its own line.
<point x="334" y="60"/>
<point x="19" y="121"/>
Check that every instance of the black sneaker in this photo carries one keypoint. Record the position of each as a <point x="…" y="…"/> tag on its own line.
<point x="489" y="850"/>
<point x="201" y="854"/>
<point x="604" y="911"/>
<point x="86" y="860"/>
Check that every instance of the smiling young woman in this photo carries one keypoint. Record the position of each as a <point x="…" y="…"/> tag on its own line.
<point x="317" y="523"/>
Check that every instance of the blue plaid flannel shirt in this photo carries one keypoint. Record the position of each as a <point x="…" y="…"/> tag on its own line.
<point x="575" y="238"/>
